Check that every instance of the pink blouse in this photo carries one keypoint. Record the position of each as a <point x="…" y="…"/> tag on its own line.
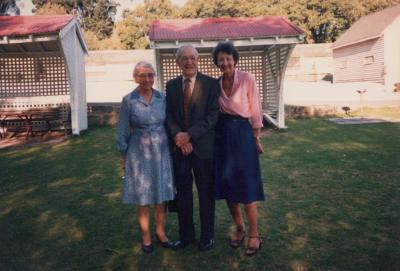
<point x="244" y="99"/>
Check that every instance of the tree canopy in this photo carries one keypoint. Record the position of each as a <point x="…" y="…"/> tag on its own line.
<point x="8" y="8"/>
<point x="322" y="21"/>
<point x="133" y="28"/>
<point x="94" y="15"/>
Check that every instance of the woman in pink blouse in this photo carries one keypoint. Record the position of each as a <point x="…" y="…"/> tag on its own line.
<point x="237" y="146"/>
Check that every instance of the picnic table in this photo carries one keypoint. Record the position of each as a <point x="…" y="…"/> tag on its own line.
<point x="16" y="120"/>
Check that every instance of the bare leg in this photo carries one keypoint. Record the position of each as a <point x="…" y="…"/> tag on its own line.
<point x="143" y="217"/>
<point x="159" y="217"/>
<point x="252" y="217"/>
<point x="234" y="208"/>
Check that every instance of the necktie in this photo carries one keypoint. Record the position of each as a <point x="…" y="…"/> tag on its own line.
<point x="187" y="94"/>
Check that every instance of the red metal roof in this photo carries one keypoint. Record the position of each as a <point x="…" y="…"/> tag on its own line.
<point x="370" y="26"/>
<point x="27" y="25"/>
<point x="219" y="28"/>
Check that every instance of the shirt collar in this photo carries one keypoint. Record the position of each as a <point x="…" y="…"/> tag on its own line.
<point x="192" y="79"/>
<point x="136" y="96"/>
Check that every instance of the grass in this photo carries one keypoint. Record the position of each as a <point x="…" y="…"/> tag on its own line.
<point x="333" y="204"/>
<point x="387" y="112"/>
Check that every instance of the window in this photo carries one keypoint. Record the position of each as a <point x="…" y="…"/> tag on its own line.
<point x="368" y="60"/>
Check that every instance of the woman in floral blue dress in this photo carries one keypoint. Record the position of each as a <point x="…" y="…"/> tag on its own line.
<point x="142" y="140"/>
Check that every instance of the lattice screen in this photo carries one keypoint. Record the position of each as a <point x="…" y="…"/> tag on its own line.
<point x="247" y="62"/>
<point x="267" y="67"/>
<point x="275" y="64"/>
<point x="33" y="76"/>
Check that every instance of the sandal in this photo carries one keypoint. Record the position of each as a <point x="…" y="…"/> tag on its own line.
<point x="251" y="251"/>
<point x="237" y="242"/>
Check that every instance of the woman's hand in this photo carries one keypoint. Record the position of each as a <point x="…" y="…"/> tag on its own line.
<point x="259" y="146"/>
<point x="256" y="132"/>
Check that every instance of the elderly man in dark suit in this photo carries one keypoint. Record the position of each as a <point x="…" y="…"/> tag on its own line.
<point x="192" y="113"/>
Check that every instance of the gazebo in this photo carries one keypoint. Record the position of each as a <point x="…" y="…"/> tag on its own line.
<point x="42" y="65"/>
<point x="264" y="44"/>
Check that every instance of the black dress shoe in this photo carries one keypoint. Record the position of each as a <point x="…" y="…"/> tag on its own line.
<point x="206" y="245"/>
<point x="147" y="248"/>
<point x="180" y="244"/>
<point x="165" y="244"/>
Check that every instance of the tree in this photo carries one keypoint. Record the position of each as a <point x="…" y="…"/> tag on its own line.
<point x="214" y="8"/>
<point x="133" y="29"/>
<point x="322" y="21"/>
<point x="99" y="17"/>
<point x="95" y="15"/>
<point x="51" y="9"/>
<point x="93" y="43"/>
<point x="8" y="8"/>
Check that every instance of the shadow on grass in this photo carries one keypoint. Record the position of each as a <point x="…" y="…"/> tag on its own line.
<point x="333" y="204"/>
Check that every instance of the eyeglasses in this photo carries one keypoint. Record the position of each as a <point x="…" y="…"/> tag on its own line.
<point x="145" y="75"/>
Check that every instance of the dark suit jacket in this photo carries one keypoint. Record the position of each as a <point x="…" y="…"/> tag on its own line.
<point x="203" y="113"/>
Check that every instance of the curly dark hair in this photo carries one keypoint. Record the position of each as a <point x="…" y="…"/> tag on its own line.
<point x="225" y="47"/>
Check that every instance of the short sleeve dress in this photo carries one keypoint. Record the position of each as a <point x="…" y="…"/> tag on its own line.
<point x="142" y="138"/>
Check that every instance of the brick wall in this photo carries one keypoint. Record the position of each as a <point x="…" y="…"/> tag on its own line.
<point x="103" y="113"/>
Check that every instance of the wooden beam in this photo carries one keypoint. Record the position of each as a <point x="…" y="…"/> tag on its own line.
<point x="264" y="79"/>
<point x="21" y="47"/>
<point x="281" y="110"/>
<point x="29" y="54"/>
<point x="28" y="39"/>
<point x="41" y="47"/>
<point x="67" y="28"/>
<point x="159" y="70"/>
<point x="46" y="38"/>
<point x="271" y="120"/>
<point x="4" y="40"/>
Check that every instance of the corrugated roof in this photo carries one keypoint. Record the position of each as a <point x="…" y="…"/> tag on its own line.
<point x="369" y="26"/>
<point x="219" y="28"/>
<point x="27" y="25"/>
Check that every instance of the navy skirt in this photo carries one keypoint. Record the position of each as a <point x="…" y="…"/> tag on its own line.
<point x="237" y="166"/>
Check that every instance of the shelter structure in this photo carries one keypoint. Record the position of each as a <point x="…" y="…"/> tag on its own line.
<point x="264" y="43"/>
<point x="369" y="51"/>
<point x="42" y="65"/>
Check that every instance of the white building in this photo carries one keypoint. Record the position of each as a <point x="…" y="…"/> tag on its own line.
<point x="370" y="50"/>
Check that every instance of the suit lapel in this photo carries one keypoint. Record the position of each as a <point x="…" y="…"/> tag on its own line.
<point x="179" y="96"/>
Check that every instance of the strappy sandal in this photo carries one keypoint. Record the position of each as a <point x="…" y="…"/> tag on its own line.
<point x="237" y="242"/>
<point x="251" y="251"/>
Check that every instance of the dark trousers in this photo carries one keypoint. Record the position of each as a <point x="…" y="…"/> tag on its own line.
<point x="185" y="167"/>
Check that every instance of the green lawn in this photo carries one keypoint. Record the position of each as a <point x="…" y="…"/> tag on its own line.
<point x="334" y="204"/>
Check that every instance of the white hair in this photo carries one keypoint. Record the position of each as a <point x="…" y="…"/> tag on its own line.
<point x="183" y="47"/>
<point x="143" y="64"/>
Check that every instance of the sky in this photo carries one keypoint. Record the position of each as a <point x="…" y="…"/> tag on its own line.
<point x="26" y="6"/>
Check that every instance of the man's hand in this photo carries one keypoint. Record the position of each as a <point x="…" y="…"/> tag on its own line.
<point x="181" y="139"/>
<point x="187" y="149"/>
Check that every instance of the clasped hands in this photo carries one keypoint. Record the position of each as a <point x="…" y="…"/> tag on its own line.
<point x="182" y="141"/>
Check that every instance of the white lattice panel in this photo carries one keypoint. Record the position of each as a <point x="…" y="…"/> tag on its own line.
<point x="33" y="76"/>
